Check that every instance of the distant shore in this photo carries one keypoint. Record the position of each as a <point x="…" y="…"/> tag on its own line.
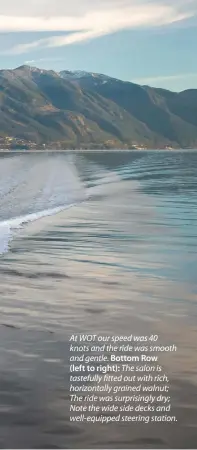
<point x="110" y="150"/>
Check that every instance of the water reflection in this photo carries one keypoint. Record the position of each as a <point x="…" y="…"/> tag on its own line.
<point x="122" y="261"/>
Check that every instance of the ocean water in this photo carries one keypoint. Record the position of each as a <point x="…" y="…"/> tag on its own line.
<point x="101" y="242"/>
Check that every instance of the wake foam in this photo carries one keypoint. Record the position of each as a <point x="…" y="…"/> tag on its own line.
<point x="8" y="227"/>
<point x="34" y="187"/>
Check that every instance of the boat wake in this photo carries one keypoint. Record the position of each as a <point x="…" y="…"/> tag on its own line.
<point x="32" y="188"/>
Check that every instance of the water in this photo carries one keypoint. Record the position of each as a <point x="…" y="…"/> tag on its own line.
<point x="119" y="256"/>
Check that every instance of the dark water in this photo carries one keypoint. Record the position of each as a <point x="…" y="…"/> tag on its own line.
<point x="120" y="258"/>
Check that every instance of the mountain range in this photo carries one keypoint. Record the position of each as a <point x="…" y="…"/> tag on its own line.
<point x="77" y="109"/>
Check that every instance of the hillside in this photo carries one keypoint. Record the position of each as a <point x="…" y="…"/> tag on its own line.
<point x="83" y="109"/>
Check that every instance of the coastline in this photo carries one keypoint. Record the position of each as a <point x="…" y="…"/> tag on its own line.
<point x="109" y="150"/>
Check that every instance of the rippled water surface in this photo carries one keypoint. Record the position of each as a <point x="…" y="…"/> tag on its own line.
<point x="104" y="243"/>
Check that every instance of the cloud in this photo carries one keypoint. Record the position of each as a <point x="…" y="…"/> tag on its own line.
<point x="57" y="8"/>
<point x="57" y="41"/>
<point x="36" y="61"/>
<point x="75" y="8"/>
<point x="161" y="78"/>
<point x="88" y="21"/>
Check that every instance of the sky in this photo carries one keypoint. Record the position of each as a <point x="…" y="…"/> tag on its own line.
<point x="144" y="41"/>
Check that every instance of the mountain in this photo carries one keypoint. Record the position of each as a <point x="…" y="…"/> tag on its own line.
<point x="88" y="109"/>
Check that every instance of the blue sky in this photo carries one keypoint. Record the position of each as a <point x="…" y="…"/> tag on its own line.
<point x="146" y="41"/>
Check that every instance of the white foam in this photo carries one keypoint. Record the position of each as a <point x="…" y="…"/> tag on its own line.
<point x="8" y="227"/>
<point x="46" y="185"/>
<point x="5" y="235"/>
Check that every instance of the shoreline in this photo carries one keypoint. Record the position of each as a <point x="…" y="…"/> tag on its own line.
<point x="17" y="151"/>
